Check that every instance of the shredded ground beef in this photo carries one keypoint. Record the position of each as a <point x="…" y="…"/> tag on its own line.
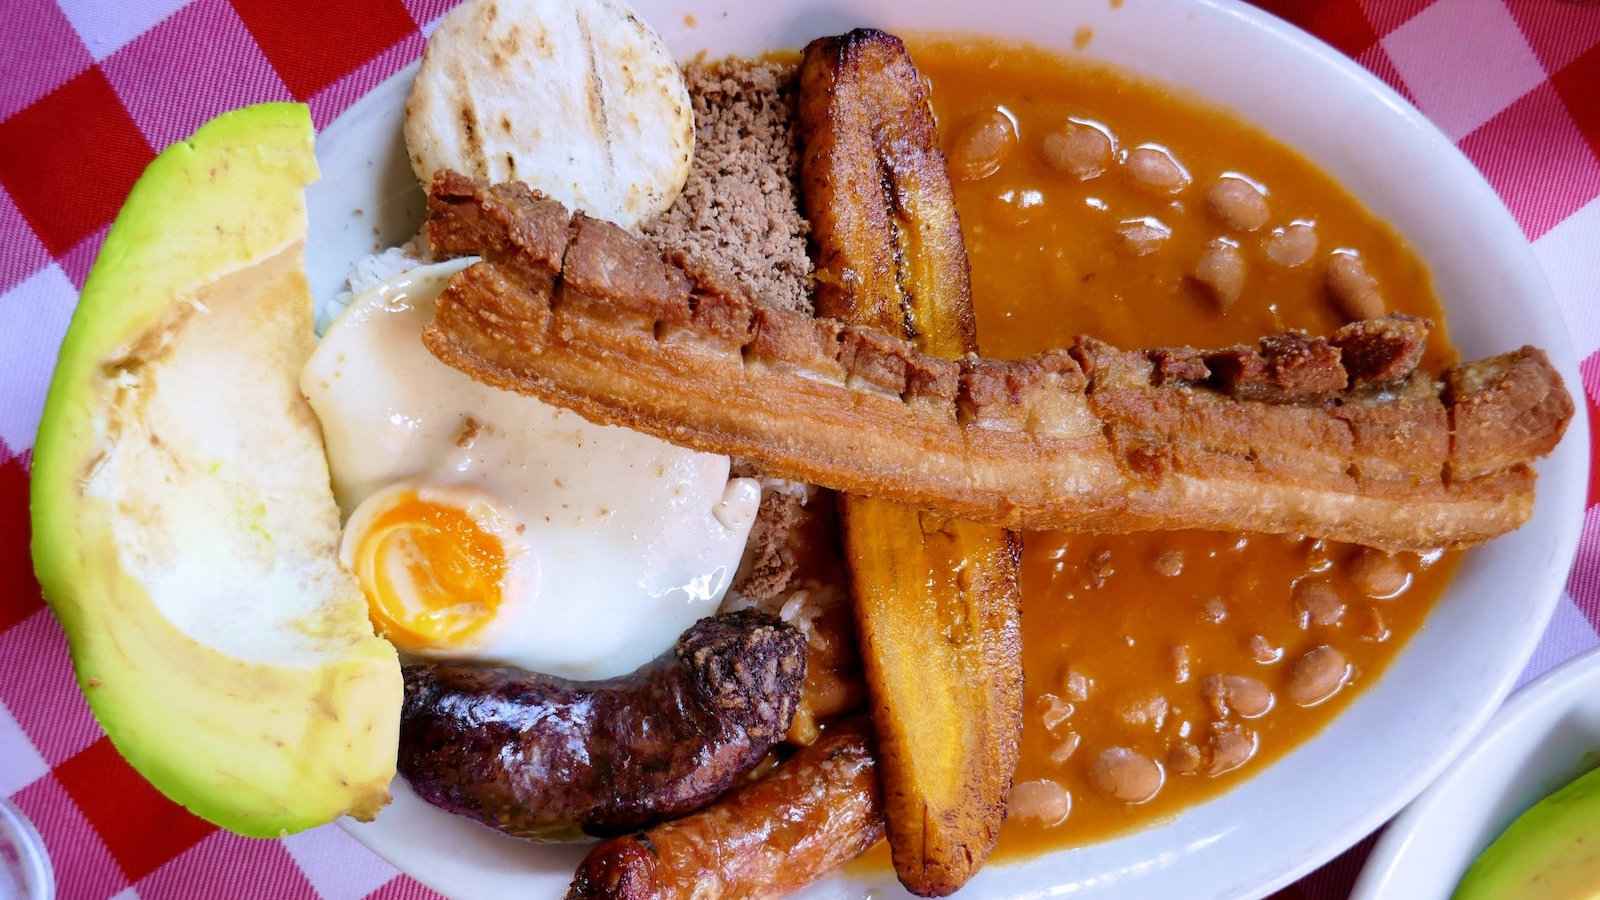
<point x="740" y="210"/>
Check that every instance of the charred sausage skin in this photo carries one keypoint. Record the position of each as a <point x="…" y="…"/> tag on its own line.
<point x="547" y="758"/>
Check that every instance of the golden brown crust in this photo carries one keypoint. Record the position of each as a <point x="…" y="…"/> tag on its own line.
<point x="883" y="216"/>
<point x="601" y="269"/>
<point x="1504" y="410"/>
<point x="1284" y="368"/>
<point x="942" y="657"/>
<point x="1113" y="442"/>
<point x="1383" y="350"/>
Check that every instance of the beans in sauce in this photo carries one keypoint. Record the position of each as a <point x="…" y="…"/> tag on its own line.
<point x="1153" y="168"/>
<point x="1353" y="288"/>
<point x="1220" y="270"/>
<point x="1161" y="669"/>
<point x="1378" y="574"/>
<point x="1292" y="245"/>
<point x="1068" y="746"/>
<point x="1317" y="602"/>
<point x="1318" y="675"/>
<point x="1242" y="694"/>
<point x="1041" y="800"/>
<point x="1078" y="148"/>
<point x="1127" y="775"/>
<point x="1231" y="748"/>
<point x="1238" y="203"/>
<point x="981" y="146"/>
<point x="1142" y="236"/>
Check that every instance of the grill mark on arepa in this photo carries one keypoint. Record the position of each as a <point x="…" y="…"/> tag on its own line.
<point x="474" y="143"/>
<point x="598" y="115"/>
<point x="471" y="141"/>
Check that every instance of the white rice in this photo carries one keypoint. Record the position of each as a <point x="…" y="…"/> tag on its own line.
<point x="370" y="271"/>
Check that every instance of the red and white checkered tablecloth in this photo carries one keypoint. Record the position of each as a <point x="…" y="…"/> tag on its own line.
<point x="91" y="89"/>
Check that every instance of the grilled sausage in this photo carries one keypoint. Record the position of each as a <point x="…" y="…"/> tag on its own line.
<point x="815" y="812"/>
<point x="547" y="758"/>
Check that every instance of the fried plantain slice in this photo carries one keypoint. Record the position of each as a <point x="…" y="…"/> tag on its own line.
<point x="936" y="600"/>
<point x="889" y="248"/>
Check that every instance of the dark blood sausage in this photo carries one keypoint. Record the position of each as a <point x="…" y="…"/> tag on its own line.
<point x="547" y="758"/>
<point x="817" y="811"/>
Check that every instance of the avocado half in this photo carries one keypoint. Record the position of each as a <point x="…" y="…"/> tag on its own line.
<point x="184" y="530"/>
<point x="1551" y="852"/>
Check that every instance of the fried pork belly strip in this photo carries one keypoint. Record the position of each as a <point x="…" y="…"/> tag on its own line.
<point x="1340" y="437"/>
<point x="817" y="811"/>
<point x="942" y="655"/>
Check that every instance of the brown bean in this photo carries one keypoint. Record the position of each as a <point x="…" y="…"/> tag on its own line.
<point x="1214" y="611"/>
<point x="1077" y="686"/>
<point x="1154" y="169"/>
<point x="1145" y="711"/>
<point x="1126" y="774"/>
<point x="1291" y="245"/>
<point x="1352" y="287"/>
<point x="1054" y="711"/>
<point x="1184" y="758"/>
<point x="1249" y="697"/>
<point x="1169" y="563"/>
<point x="1318" y="675"/>
<point x="1378" y="575"/>
<point x="1316" y="602"/>
<point x="982" y="146"/>
<point x="1142" y="236"/>
<point x="1230" y="749"/>
<point x="1042" y="801"/>
<point x="1263" y="651"/>
<point x="1220" y="270"/>
<point x="1078" y="149"/>
<point x="1238" y="204"/>
<point x="1065" y="749"/>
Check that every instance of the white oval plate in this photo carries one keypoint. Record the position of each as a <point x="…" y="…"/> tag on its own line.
<point x="1378" y="755"/>
<point x="1547" y="734"/>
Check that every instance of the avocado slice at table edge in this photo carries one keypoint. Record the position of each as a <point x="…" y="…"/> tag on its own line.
<point x="263" y="733"/>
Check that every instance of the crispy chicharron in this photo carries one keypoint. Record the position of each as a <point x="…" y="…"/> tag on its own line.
<point x="942" y="652"/>
<point x="1339" y="437"/>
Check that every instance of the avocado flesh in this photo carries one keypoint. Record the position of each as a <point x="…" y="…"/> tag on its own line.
<point x="184" y="530"/>
<point x="1552" y="851"/>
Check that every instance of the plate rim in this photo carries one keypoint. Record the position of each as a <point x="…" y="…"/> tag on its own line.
<point x="1541" y="602"/>
<point x="1560" y="686"/>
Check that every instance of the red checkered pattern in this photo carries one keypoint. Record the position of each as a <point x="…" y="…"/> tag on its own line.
<point x="90" y="89"/>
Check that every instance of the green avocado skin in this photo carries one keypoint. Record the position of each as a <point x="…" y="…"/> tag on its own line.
<point x="1551" y="852"/>
<point x="223" y="737"/>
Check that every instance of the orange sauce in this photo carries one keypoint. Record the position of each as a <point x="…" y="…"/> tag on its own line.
<point x="1046" y="266"/>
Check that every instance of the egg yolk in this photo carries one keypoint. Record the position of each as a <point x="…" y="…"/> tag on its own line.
<point x="431" y="574"/>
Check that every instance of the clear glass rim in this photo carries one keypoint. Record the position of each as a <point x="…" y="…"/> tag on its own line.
<point x="38" y="877"/>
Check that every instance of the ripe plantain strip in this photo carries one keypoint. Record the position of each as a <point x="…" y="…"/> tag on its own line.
<point x="936" y="599"/>
<point x="889" y="249"/>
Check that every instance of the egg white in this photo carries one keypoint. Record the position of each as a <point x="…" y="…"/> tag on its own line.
<point x="621" y="540"/>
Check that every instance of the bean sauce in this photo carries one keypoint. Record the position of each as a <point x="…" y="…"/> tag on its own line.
<point x="1160" y="669"/>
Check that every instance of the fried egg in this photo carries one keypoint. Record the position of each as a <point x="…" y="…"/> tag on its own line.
<point x="486" y="525"/>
